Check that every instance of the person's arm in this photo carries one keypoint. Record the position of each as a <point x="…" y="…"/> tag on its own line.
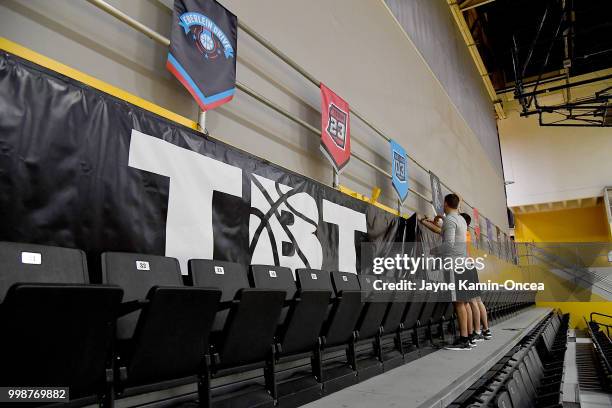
<point x="433" y="227"/>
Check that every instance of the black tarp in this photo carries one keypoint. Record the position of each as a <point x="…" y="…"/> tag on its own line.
<point x="70" y="175"/>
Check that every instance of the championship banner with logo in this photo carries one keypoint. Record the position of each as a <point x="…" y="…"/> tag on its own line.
<point x="202" y="54"/>
<point x="490" y="237"/>
<point x="105" y="175"/>
<point x="399" y="170"/>
<point x="335" y="129"/>
<point x="436" y="194"/>
<point x="476" y="223"/>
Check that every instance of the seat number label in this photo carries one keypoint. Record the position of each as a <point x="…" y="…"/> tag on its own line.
<point x="219" y="270"/>
<point x="143" y="266"/>
<point x="313" y="276"/>
<point x="272" y="274"/>
<point x="32" y="258"/>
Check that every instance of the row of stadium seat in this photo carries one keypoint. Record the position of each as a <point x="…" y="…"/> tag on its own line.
<point x="529" y="375"/>
<point x="602" y="344"/>
<point x="148" y="327"/>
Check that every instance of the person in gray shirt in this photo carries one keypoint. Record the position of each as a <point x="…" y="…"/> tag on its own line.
<point x="454" y="246"/>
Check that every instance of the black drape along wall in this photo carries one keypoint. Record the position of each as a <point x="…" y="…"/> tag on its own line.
<point x="81" y="168"/>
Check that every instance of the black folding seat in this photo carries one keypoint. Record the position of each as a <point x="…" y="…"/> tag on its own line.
<point x="163" y="331"/>
<point x="368" y="351"/>
<point x="56" y="328"/>
<point x="494" y="305"/>
<point x="518" y="394"/>
<point x="549" y="368"/>
<point x="503" y="401"/>
<point x="431" y="318"/>
<point x="297" y="334"/>
<point x="500" y="305"/>
<point x="545" y="384"/>
<point x="525" y="391"/>
<point x="243" y="333"/>
<point x="391" y="347"/>
<point x="411" y="323"/>
<point x="334" y="360"/>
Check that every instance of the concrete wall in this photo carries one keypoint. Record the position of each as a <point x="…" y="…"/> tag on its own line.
<point x="355" y="47"/>
<point x="549" y="164"/>
<point x="432" y="28"/>
<point x="574" y="225"/>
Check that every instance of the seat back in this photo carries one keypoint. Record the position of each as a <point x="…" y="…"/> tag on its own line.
<point x="395" y="310"/>
<point x="517" y="395"/>
<point x="412" y="313"/>
<point x="229" y="277"/>
<point x="530" y="387"/>
<point x="374" y="309"/>
<point x="167" y="338"/>
<point x="503" y="401"/>
<point x="274" y="277"/>
<point x="253" y="313"/>
<point x="56" y="329"/>
<point x="70" y="342"/>
<point x="346" y="310"/>
<point x="136" y="274"/>
<point x="314" y="279"/>
<point x="40" y="263"/>
<point x="525" y="397"/>
<point x="303" y="314"/>
<point x="346" y="302"/>
<point x="534" y="373"/>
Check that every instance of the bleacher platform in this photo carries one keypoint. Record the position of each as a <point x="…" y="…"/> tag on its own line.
<point x="438" y="378"/>
<point x="225" y="336"/>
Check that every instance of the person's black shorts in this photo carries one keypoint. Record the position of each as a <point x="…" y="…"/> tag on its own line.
<point x="465" y="292"/>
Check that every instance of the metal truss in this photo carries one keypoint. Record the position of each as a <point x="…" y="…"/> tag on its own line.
<point x="592" y="111"/>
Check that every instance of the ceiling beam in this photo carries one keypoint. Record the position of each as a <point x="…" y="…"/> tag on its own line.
<point x="480" y="66"/>
<point x="470" y="5"/>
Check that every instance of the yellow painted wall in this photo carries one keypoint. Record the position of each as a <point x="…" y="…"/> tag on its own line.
<point x="572" y="225"/>
<point x="575" y="225"/>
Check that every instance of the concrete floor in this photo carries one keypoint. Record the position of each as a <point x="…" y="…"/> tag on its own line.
<point x="438" y="378"/>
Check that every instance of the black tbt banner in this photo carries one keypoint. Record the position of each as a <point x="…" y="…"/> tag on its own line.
<point x="80" y="168"/>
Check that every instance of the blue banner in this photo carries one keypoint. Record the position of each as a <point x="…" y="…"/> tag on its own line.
<point x="399" y="170"/>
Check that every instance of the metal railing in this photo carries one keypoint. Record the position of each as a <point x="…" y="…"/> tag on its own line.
<point x="549" y="255"/>
<point x="123" y="17"/>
